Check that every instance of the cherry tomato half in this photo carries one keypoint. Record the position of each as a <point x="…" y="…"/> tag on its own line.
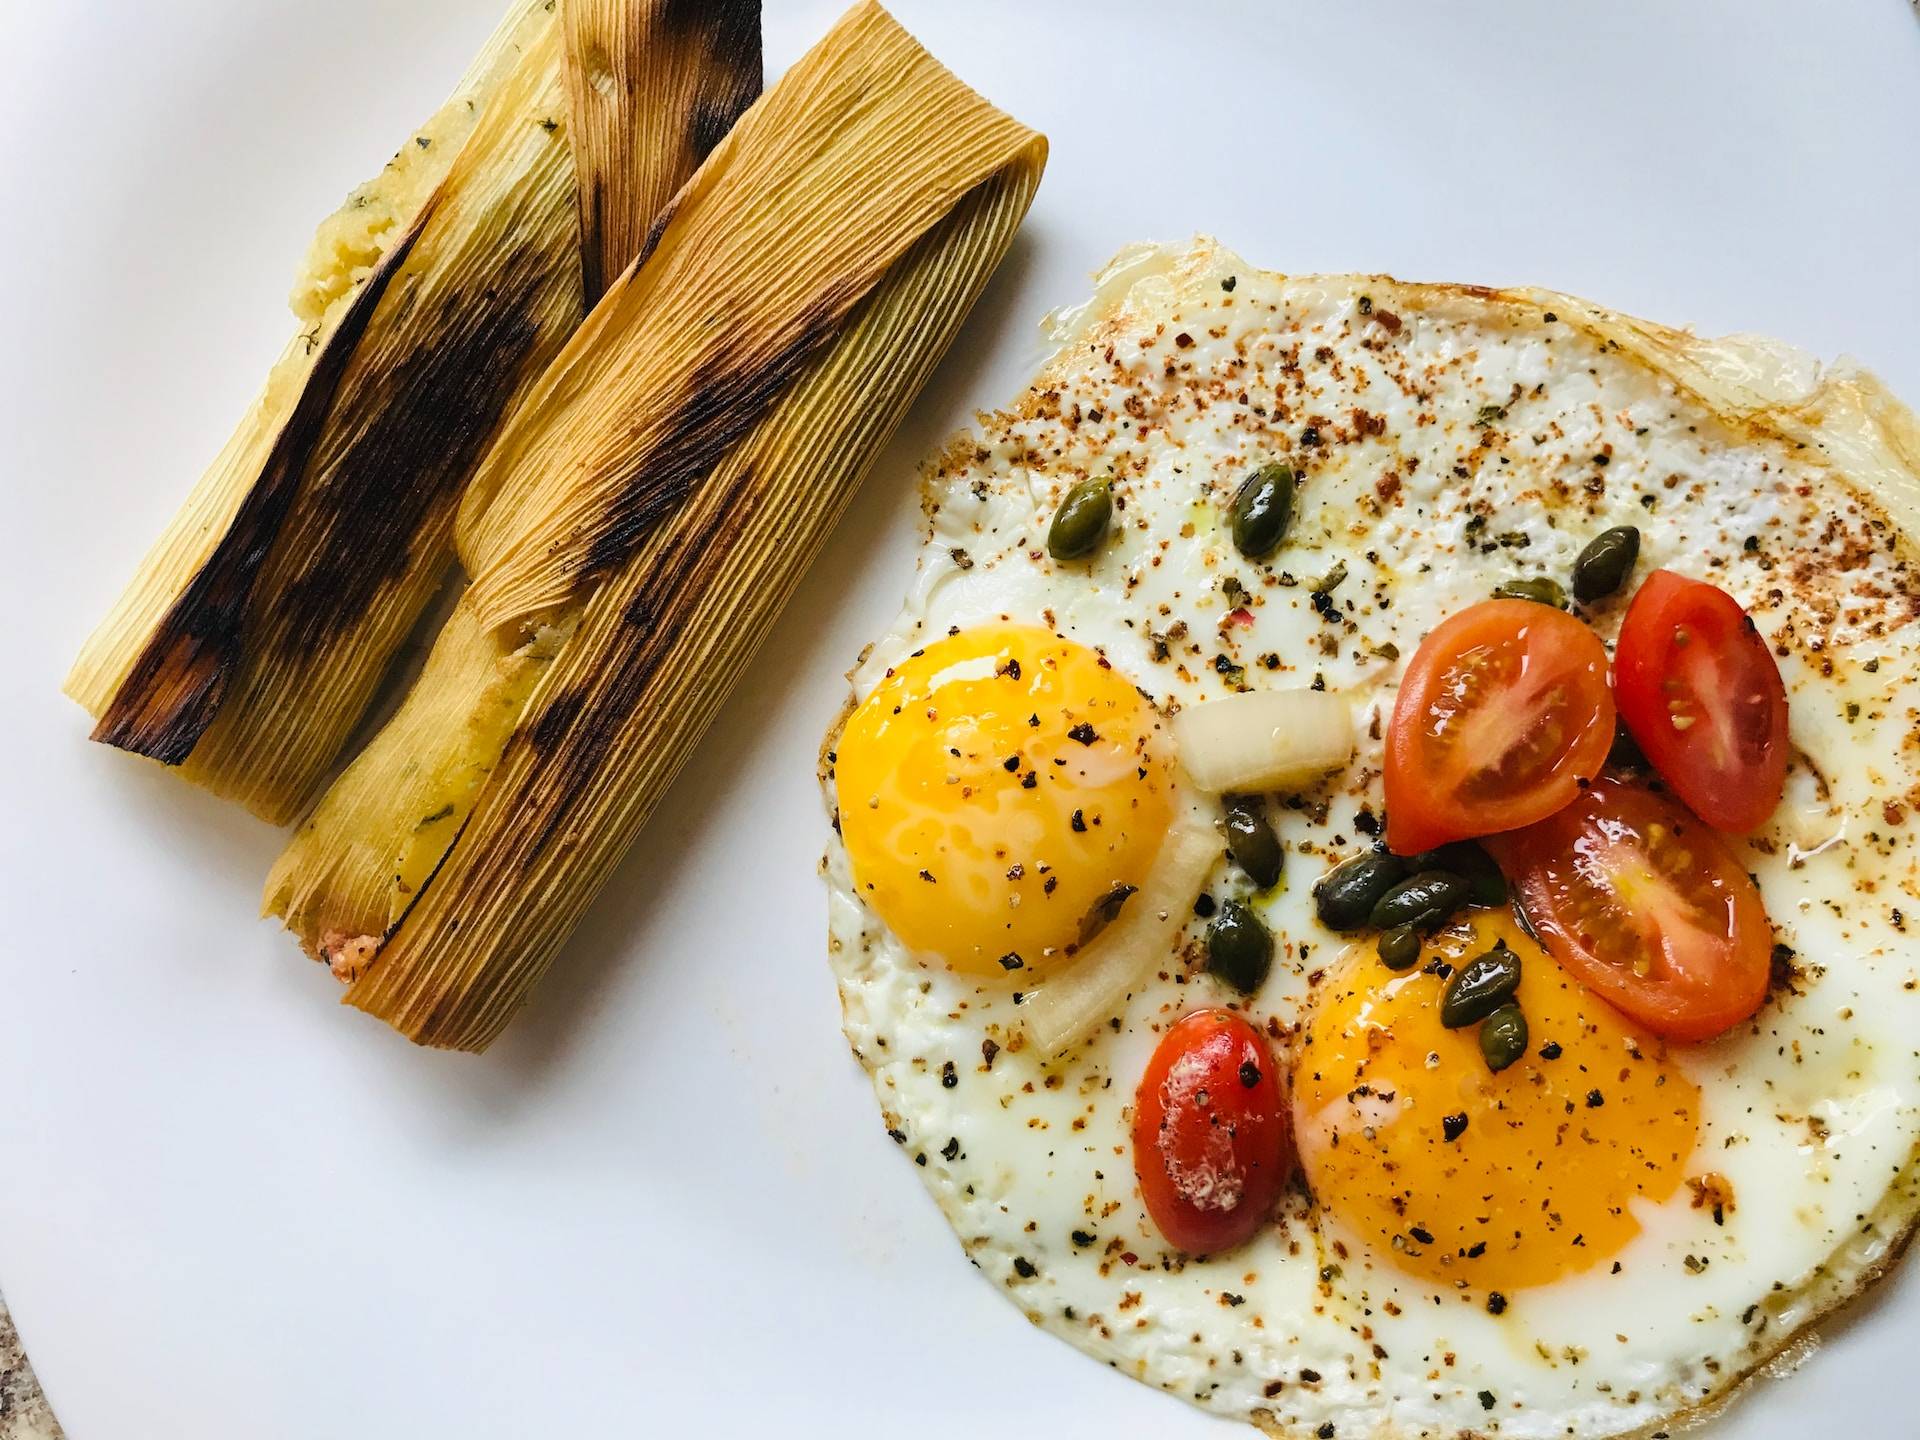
<point x="1648" y="906"/>
<point x="1211" y="1141"/>
<point x="1504" y="710"/>
<point x="1701" y="693"/>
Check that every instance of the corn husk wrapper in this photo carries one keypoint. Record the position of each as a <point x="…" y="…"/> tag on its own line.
<point x="258" y="630"/>
<point x="653" y="506"/>
<point x="652" y="87"/>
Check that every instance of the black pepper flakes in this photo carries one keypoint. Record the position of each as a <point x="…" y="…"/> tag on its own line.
<point x="1595" y="1099"/>
<point x="1454" y="1126"/>
<point x="1486" y="1399"/>
<point x="1496" y="1303"/>
<point x="1550" y="1050"/>
<point x="1249" y="1074"/>
<point x="951" y="1149"/>
<point x="1084" y="733"/>
<point x="1422" y="1234"/>
<point x="949" y="1076"/>
<point x="1024" y="1267"/>
<point x="1010" y="764"/>
<point x="1011" y="961"/>
<point x="1084" y="1238"/>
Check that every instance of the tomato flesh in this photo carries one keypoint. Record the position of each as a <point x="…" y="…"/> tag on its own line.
<point x="1503" y="713"/>
<point x="1647" y="906"/>
<point x="1211" y="1141"/>
<point x="1701" y="693"/>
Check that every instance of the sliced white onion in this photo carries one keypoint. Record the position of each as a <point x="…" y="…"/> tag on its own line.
<point x="1095" y="986"/>
<point x="1263" y="739"/>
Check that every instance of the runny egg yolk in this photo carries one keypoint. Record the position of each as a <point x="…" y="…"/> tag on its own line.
<point x="995" y="789"/>
<point x="1458" y="1174"/>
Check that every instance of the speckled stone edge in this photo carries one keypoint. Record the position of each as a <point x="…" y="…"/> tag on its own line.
<point x="24" y="1412"/>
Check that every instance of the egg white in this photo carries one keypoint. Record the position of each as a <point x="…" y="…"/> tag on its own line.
<point x="1467" y="437"/>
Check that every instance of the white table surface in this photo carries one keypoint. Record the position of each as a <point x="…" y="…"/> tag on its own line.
<point x="230" y="1209"/>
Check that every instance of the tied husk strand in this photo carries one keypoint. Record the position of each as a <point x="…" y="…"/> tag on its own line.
<point x="625" y="671"/>
<point x="254" y="637"/>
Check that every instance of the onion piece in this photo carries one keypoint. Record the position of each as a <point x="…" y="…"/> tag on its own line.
<point x="1263" y="739"/>
<point x="1095" y="986"/>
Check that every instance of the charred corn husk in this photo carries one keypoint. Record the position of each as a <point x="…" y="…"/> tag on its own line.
<point x="650" y="509"/>
<point x="650" y="91"/>
<point x="259" y="628"/>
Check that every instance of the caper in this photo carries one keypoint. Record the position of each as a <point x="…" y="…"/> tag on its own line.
<point x="1400" y="948"/>
<point x="1262" y="510"/>
<point x="1080" y="524"/>
<point x="1345" y="895"/>
<point x="1486" y="886"/>
<point x="1541" y="589"/>
<point x="1479" y="988"/>
<point x="1239" y="947"/>
<point x="1603" y="567"/>
<point x="1251" y="841"/>
<point x="1503" y="1037"/>
<point x="1423" y="902"/>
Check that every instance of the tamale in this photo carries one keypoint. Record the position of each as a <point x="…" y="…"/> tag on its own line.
<point x="823" y="258"/>
<point x="259" y="629"/>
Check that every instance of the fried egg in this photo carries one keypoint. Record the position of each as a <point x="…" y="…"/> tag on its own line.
<point x="1613" y="1232"/>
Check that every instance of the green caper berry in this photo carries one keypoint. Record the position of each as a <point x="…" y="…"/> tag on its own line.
<point x="1080" y="524"/>
<point x="1503" y="1037"/>
<point x="1479" y="988"/>
<point x="1251" y="841"/>
<point x="1541" y="589"/>
<point x="1603" y="567"/>
<point x="1262" y="510"/>
<point x="1399" y="948"/>
<point x="1239" y="947"/>
<point x="1424" y="902"/>
<point x="1486" y="886"/>
<point x="1345" y="895"/>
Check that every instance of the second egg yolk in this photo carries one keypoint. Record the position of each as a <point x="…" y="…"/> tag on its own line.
<point x="997" y="789"/>
<point x="1458" y="1174"/>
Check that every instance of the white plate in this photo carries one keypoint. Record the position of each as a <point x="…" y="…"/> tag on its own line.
<point x="229" y="1209"/>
